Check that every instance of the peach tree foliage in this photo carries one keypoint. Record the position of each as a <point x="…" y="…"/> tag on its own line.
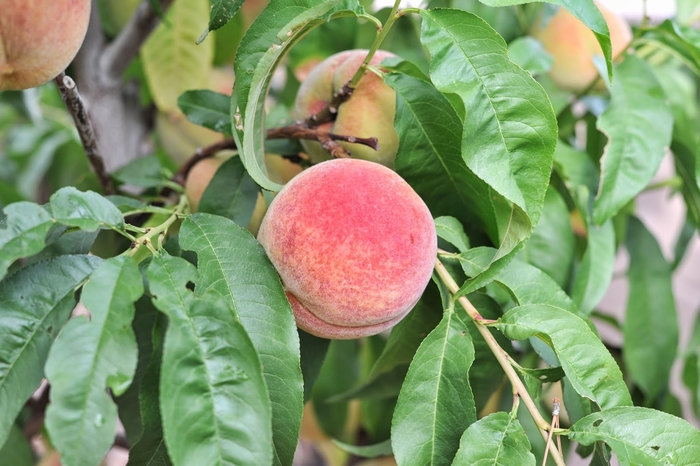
<point x="190" y="340"/>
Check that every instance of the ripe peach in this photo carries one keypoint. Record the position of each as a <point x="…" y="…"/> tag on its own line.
<point x="354" y="246"/>
<point x="39" y="39"/>
<point x="573" y="46"/>
<point x="369" y="112"/>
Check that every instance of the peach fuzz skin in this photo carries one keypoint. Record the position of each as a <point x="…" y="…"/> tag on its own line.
<point x="39" y="39"/>
<point x="354" y="246"/>
<point x="369" y="112"/>
<point x="572" y="46"/>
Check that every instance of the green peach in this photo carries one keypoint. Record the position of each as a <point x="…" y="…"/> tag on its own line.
<point x="354" y="246"/>
<point x="369" y="112"/>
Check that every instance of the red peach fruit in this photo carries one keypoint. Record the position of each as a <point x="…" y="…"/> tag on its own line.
<point x="39" y="39"/>
<point x="354" y="246"/>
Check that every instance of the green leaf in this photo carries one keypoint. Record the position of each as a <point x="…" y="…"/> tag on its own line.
<point x="126" y="204"/>
<point x="496" y="439"/>
<point x="685" y="236"/>
<point x="529" y="285"/>
<point x="231" y="193"/>
<point x="278" y="27"/>
<point x="213" y="398"/>
<point x="340" y="370"/>
<point x="682" y="41"/>
<point x="35" y="301"/>
<point x="313" y="352"/>
<point x="436" y="403"/>
<point x="150" y="450"/>
<point x="234" y="264"/>
<point x="449" y="229"/>
<point x="551" y="245"/>
<point x="82" y="417"/>
<point x="641" y="436"/>
<point x="172" y="61"/>
<point x="528" y="53"/>
<point x="650" y="328"/>
<point x="680" y="90"/>
<point x="586" y="11"/>
<point x="145" y="316"/>
<point x="486" y="374"/>
<point x="22" y="232"/>
<point x="687" y="11"/>
<point x="17" y="451"/>
<point x="575" y="167"/>
<point x="86" y="210"/>
<point x="430" y="131"/>
<point x="145" y="172"/>
<point x="691" y="366"/>
<point x="221" y="12"/>
<point x="588" y="365"/>
<point x="596" y="270"/>
<point x="509" y="138"/>
<point x="638" y="124"/>
<point x="687" y="162"/>
<point x="207" y="108"/>
<point x="61" y="241"/>
<point x="407" y="335"/>
<point x="366" y="451"/>
<point x="377" y="387"/>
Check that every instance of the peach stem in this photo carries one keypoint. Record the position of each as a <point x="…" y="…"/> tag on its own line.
<point x="502" y="357"/>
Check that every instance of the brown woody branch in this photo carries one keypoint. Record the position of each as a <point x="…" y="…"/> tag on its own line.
<point x="330" y="111"/>
<point x="294" y="131"/>
<point x="76" y="107"/>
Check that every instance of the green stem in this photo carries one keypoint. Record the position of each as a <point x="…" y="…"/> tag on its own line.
<point x="148" y="210"/>
<point x="152" y="233"/>
<point x="393" y="16"/>
<point x="675" y="182"/>
<point x="502" y="357"/>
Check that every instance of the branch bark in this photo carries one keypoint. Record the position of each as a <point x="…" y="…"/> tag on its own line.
<point x="120" y="123"/>
<point x="71" y="97"/>
<point x="294" y="131"/>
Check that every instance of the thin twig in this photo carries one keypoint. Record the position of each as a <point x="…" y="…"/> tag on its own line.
<point x="201" y="154"/>
<point x="556" y="406"/>
<point x="500" y="354"/>
<point x="294" y="131"/>
<point x="76" y="107"/>
<point x="330" y="111"/>
<point x="300" y="131"/>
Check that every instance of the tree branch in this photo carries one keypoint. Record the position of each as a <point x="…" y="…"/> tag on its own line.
<point x="118" y="54"/>
<point x="71" y="97"/>
<point x="294" y="131"/>
<point x="330" y="111"/>
<point x="121" y="124"/>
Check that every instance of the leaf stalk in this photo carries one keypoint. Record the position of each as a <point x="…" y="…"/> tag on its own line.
<point x="502" y="357"/>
